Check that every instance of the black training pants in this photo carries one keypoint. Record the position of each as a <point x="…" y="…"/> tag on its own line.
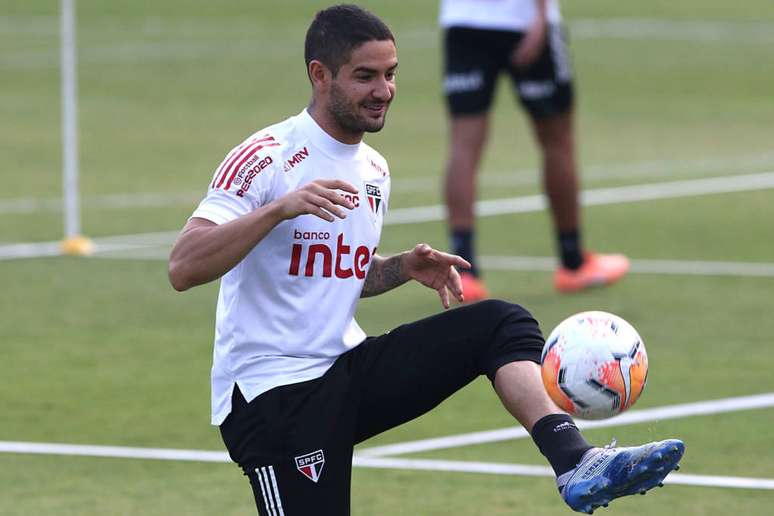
<point x="295" y="442"/>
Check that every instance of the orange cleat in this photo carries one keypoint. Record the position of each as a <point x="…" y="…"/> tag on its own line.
<point x="473" y="288"/>
<point x="597" y="270"/>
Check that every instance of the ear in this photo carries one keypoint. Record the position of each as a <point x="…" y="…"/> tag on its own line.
<point x="319" y="74"/>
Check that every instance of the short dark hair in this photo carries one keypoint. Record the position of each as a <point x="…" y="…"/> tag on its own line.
<point x="338" y="30"/>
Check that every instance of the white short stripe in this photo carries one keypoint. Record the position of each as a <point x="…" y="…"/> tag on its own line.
<point x="263" y="491"/>
<point x="276" y="490"/>
<point x="269" y="492"/>
<point x="559" y="54"/>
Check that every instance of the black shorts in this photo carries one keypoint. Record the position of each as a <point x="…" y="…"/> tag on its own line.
<point x="474" y="59"/>
<point x="295" y="442"/>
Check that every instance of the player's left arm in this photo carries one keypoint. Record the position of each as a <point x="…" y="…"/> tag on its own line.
<point x="433" y="269"/>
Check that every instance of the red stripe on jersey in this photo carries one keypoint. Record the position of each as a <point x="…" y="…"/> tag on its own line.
<point x="223" y="171"/>
<point x="244" y="160"/>
<point x="223" y="163"/>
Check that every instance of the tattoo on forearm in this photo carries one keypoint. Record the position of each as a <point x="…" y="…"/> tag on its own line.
<point x="384" y="274"/>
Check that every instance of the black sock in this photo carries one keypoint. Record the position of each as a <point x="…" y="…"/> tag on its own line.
<point x="462" y="245"/>
<point x="570" y="249"/>
<point x="560" y="441"/>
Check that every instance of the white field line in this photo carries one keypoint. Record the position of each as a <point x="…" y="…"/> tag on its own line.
<point x="357" y="461"/>
<point x="120" y="452"/>
<point x="370" y="459"/>
<point x="123" y="452"/>
<point x="187" y="42"/>
<point x="544" y="471"/>
<point x="702" y="408"/>
<point x="596" y="197"/>
<point x="31" y="250"/>
<point x="524" y="204"/>
<point x="741" y="165"/>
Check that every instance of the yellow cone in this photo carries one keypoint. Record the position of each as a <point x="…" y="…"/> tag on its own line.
<point x="77" y="246"/>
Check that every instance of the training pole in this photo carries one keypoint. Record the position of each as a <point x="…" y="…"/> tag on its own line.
<point x="73" y="242"/>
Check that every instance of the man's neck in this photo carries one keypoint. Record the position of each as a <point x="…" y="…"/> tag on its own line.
<point x="327" y="123"/>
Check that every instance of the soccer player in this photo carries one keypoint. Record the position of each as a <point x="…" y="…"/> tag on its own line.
<point x="524" y="39"/>
<point x="290" y="224"/>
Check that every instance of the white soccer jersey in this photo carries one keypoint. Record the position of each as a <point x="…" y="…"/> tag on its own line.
<point x="286" y="311"/>
<point x="513" y="15"/>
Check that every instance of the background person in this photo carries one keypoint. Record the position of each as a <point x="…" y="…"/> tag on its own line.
<point x="524" y="39"/>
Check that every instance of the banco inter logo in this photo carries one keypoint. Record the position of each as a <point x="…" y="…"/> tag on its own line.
<point x="341" y="260"/>
<point x="311" y="465"/>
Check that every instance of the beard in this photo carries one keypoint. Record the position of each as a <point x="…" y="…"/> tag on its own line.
<point x="347" y="113"/>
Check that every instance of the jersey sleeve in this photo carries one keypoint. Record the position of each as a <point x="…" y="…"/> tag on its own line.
<point x="241" y="182"/>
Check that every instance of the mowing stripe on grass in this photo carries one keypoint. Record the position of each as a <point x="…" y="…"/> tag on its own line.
<point x="181" y="47"/>
<point x="682" y="410"/>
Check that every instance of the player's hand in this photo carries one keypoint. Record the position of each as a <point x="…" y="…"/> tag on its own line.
<point x="531" y="45"/>
<point x="319" y="198"/>
<point x="436" y="270"/>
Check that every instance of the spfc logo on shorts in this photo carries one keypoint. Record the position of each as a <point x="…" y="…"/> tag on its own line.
<point x="311" y="465"/>
<point x="374" y="196"/>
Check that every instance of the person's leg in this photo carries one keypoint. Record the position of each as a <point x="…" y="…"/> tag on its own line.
<point x="579" y="269"/>
<point x="471" y="66"/>
<point x="546" y="91"/>
<point x="556" y="140"/>
<point x="467" y="137"/>
<point x="521" y="391"/>
<point x="520" y="388"/>
<point x="294" y="443"/>
<point x="413" y="368"/>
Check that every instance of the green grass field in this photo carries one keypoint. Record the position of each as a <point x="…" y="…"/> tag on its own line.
<point x="102" y="351"/>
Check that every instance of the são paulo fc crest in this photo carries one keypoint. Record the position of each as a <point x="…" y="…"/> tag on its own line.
<point x="374" y="196"/>
<point x="311" y="465"/>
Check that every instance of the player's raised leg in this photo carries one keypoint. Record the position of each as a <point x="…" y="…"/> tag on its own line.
<point x="449" y="350"/>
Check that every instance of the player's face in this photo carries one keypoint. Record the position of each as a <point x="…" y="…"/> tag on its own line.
<point x="363" y="88"/>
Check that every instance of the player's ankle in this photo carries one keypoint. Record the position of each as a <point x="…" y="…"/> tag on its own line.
<point x="559" y="439"/>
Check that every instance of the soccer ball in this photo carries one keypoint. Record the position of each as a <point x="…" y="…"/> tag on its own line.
<point x="594" y="365"/>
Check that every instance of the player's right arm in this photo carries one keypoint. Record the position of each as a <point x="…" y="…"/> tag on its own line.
<point x="531" y="45"/>
<point x="205" y="251"/>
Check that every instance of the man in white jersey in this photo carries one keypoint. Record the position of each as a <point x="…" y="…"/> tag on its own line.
<point x="524" y="39"/>
<point x="290" y="224"/>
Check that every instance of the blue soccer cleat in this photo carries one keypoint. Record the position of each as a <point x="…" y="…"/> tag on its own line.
<point x="605" y="474"/>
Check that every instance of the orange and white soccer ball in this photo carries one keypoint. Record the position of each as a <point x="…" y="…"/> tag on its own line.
<point x="594" y="365"/>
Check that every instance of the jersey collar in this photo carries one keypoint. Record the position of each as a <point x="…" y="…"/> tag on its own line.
<point x="325" y="142"/>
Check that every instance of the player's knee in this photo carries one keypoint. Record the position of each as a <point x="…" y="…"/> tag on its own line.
<point x="497" y="311"/>
<point x="515" y="335"/>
